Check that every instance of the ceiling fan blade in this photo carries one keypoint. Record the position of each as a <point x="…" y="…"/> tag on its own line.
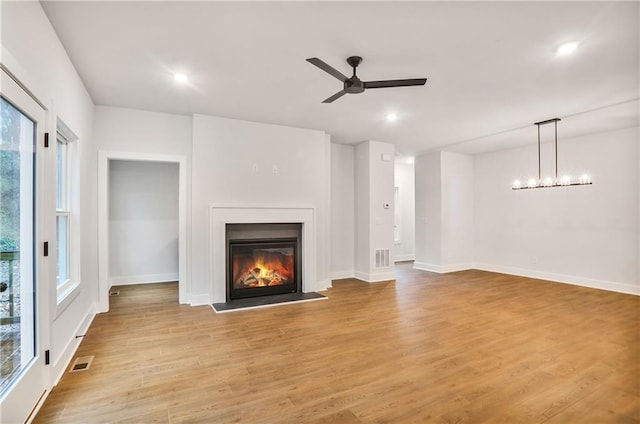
<point x="335" y="96"/>
<point x="395" y="83"/>
<point x="327" y="68"/>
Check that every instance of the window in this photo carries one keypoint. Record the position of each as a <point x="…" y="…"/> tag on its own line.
<point x="65" y="149"/>
<point x="17" y="281"/>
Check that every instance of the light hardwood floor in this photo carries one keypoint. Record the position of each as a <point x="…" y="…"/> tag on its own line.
<point x="467" y="347"/>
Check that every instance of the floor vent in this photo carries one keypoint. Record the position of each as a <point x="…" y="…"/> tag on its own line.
<point x="82" y="363"/>
<point x="114" y="293"/>
<point x="382" y="258"/>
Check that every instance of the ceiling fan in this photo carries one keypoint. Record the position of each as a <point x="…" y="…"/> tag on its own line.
<point x="354" y="85"/>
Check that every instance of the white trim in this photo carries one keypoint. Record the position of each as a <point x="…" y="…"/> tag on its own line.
<point x="457" y="267"/>
<point x="65" y="296"/>
<point x="126" y="280"/>
<point x="339" y="275"/>
<point x="423" y="266"/>
<point x="562" y="278"/>
<point x="61" y="364"/>
<point x="29" y="386"/>
<point x="376" y="277"/>
<point x="404" y="258"/>
<point x="36" y="409"/>
<point x="200" y="299"/>
<point x="441" y="269"/>
<point x="11" y="67"/>
<point x="103" y="220"/>
<point x="322" y="285"/>
<point x="64" y="358"/>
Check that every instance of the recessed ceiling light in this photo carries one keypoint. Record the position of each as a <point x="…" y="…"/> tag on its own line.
<point x="392" y="117"/>
<point x="567" y="48"/>
<point x="180" y="78"/>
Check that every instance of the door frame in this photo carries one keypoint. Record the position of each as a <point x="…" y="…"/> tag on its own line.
<point x="104" y="157"/>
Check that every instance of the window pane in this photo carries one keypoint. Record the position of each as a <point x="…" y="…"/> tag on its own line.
<point x="62" y="233"/>
<point x="17" y="282"/>
<point x="60" y="173"/>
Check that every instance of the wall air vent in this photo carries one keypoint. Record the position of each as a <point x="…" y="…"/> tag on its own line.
<point x="382" y="258"/>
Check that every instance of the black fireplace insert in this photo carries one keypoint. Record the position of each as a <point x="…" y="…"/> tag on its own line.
<point x="261" y="267"/>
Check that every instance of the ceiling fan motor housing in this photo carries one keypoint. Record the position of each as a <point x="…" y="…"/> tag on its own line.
<point x="353" y="85"/>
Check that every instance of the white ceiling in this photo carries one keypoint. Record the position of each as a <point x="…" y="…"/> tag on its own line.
<point x="491" y="67"/>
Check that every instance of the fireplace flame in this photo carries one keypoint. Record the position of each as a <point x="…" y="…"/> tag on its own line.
<point x="262" y="269"/>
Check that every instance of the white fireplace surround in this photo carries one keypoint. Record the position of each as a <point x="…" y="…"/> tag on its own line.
<point x="220" y="215"/>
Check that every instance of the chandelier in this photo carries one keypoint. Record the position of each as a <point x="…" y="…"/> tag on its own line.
<point x="564" y="181"/>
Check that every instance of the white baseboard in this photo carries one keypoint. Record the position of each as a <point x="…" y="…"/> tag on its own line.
<point x="323" y="285"/>
<point x="63" y="360"/>
<point x="402" y="258"/>
<point x="441" y="269"/>
<point x="561" y="278"/>
<point x="125" y="280"/>
<point x="339" y="275"/>
<point x="375" y="277"/>
<point x="199" y="299"/>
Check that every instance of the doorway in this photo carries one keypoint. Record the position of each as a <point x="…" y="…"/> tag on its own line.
<point x="142" y="221"/>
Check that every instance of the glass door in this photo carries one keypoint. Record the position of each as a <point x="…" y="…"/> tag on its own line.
<point x="22" y="376"/>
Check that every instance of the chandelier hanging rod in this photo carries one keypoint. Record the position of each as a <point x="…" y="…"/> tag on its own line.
<point x="555" y="124"/>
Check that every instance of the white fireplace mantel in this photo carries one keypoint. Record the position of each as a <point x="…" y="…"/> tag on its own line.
<point x="222" y="214"/>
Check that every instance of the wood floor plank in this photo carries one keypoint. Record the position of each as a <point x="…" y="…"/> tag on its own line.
<point x="470" y="346"/>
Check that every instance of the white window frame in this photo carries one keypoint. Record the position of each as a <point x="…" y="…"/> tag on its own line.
<point x="66" y="139"/>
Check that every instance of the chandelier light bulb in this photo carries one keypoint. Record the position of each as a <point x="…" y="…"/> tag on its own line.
<point x="548" y="182"/>
<point x="532" y="183"/>
<point x="566" y="180"/>
<point x="516" y="184"/>
<point x="585" y="179"/>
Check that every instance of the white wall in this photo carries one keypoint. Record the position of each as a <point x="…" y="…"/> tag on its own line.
<point x="457" y="211"/>
<point x="138" y="131"/>
<point x="404" y="177"/>
<point x="444" y="212"/>
<point x="584" y="235"/>
<point x="233" y="163"/>
<point x="32" y="51"/>
<point x="342" y="211"/>
<point x="428" y="192"/>
<point x="143" y="222"/>
<point x="374" y="224"/>
<point x="362" y="209"/>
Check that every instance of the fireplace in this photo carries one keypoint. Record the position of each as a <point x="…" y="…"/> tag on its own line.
<point x="263" y="260"/>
